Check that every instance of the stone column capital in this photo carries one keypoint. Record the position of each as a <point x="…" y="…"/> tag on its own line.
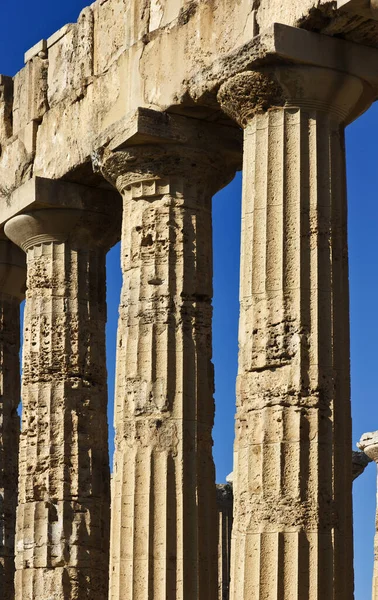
<point x="12" y="269"/>
<point x="309" y="88"/>
<point x="369" y="444"/>
<point x="85" y="228"/>
<point x="154" y="170"/>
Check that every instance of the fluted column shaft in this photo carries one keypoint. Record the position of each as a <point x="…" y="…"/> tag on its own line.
<point x="164" y="517"/>
<point x="12" y="284"/>
<point x="63" y="513"/>
<point x="292" y="533"/>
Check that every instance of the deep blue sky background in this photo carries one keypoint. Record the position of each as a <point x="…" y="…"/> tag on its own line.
<point x="23" y="23"/>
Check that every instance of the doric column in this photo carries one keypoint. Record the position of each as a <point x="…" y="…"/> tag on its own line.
<point x="164" y="514"/>
<point x="292" y="533"/>
<point x="225" y="518"/>
<point x="369" y="445"/>
<point x="12" y="290"/>
<point x="62" y="531"/>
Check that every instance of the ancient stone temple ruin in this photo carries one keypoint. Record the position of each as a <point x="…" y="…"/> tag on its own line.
<point x="123" y="126"/>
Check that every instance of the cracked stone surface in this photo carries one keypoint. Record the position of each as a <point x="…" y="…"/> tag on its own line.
<point x="292" y="486"/>
<point x="63" y="512"/>
<point x="12" y="287"/>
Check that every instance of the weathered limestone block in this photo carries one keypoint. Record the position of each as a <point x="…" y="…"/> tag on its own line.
<point x="369" y="444"/>
<point x="164" y="516"/>
<point x="225" y="516"/>
<point x="12" y="288"/>
<point x="62" y="539"/>
<point x="6" y="103"/>
<point x="119" y="24"/>
<point x="30" y="93"/>
<point x="181" y="64"/>
<point x="113" y="31"/>
<point x="292" y="533"/>
<point x="17" y="163"/>
<point x="64" y="74"/>
<point x="293" y="12"/>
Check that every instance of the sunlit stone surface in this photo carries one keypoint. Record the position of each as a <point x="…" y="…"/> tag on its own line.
<point x="147" y="100"/>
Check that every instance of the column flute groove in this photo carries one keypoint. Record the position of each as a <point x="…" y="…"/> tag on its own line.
<point x="12" y="292"/>
<point x="292" y="534"/>
<point x="64" y="498"/>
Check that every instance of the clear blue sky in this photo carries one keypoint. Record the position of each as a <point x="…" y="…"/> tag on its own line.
<point x="23" y="24"/>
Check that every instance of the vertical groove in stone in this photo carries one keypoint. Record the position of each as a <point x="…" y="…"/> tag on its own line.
<point x="9" y="436"/>
<point x="63" y="513"/>
<point x="292" y="528"/>
<point x="163" y="537"/>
